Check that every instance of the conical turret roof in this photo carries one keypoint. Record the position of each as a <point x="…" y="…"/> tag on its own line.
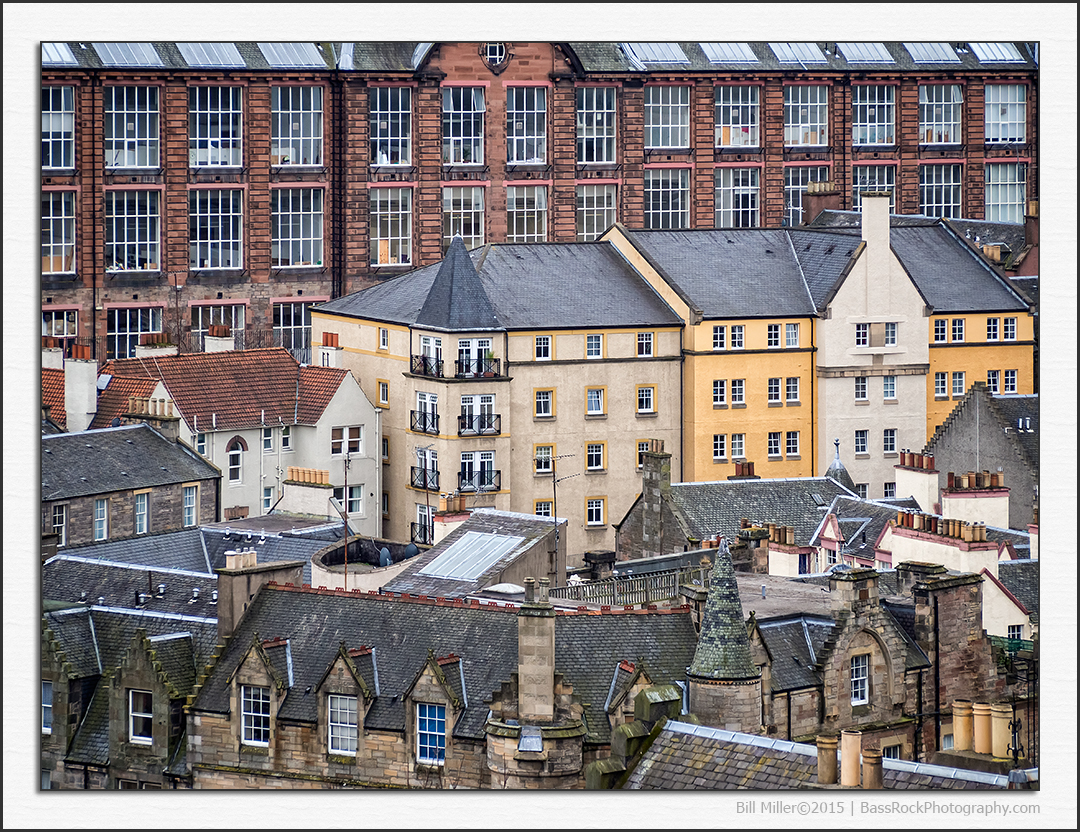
<point x="457" y="299"/>
<point x="838" y="472"/>
<point x="723" y="648"/>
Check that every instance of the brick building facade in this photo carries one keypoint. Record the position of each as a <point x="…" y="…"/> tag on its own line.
<point x="185" y="185"/>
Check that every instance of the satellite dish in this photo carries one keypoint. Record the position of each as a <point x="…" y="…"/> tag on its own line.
<point x="411" y="549"/>
<point x="384" y="557"/>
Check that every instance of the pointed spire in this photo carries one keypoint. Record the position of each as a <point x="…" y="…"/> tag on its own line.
<point x="457" y="299"/>
<point x="723" y="648"/>
<point x="838" y="472"/>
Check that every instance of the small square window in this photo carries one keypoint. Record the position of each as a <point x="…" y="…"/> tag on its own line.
<point x="543" y="348"/>
<point x="890" y="489"/>
<point x="862" y="335"/>
<point x="644" y="344"/>
<point x="862" y="489"/>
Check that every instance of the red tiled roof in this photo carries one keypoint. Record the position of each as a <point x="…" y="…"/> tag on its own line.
<point x="113" y="400"/>
<point x="240" y="387"/>
<point x="52" y="395"/>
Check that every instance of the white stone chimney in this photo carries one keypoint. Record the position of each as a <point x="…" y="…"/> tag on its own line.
<point x="80" y="389"/>
<point x="218" y="338"/>
<point x="875" y="231"/>
<point x="52" y="356"/>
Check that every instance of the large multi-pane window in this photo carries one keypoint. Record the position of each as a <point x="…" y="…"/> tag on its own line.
<point x="296" y="227"/>
<point x="738" y="116"/>
<point x="296" y="125"/>
<point x="255" y="714"/>
<point x="232" y="315"/>
<point x="667" y="117"/>
<point x="216" y="228"/>
<point x="941" y="328"/>
<point x="346" y="439"/>
<point x="132" y="130"/>
<point x="543" y="407"/>
<point x="795" y="181"/>
<point x="595" y="211"/>
<point x="992" y="329"/>
<point x="430" y="733"/>
<point x="526" y="214"/>
<point x="57" y="232"/>
<point x="463" y="125"/>
<point x="292" y="329"/>
<point x="391" y="225"/>
<point x="940" y="190"/>
<point x="132" y="230"/>
<point x="1006" y="113"/>
<point x="873" y="178"/>
<point x="215" y="126"/>
<point x="58" y="127"/>
<point x="1006" y="188"/>
<point x="595" y="124"/>
<point x="463" y="216"/>
<point x="873" y="114"/>
<point x="526" y="125"/>
<point x="737" y="198"/>
<point x="806" y="115"/>
<point x="125" y="326"/>
<point x="667" y="198"/>
<point x="342" y="724"/>
<point x="390" y="111"/>
<point x="62" y="324"/>
<point x="940" y="114"/>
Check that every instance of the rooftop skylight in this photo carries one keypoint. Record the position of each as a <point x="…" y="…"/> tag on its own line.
<point x="469" y="557"/>
<point x="128" y="54"/>
<point x="286" y="55"/>
<point x="865" y="53"/>
<point x="798" y="53"/>
<point x="729" y="53"/>
<point x="224" y="55"/>
<point x="932" y="53"/>
<point x="997" y="53"/>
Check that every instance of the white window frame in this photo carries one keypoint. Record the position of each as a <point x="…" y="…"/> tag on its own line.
<point x="645" y="345"/>
<point x="873" y="178"/>
<point x="526" y="213"/>
<point x="861" y="389"/>
<point x="993" y="326"/>
<point x="719" y="446"/>
<point x="891" y="330"/>
<point x="888" y="388"/>
<point x="888" y="441"/>
<point x="255" y="715"/>
<point x="1008" y="381"/>
<point x="235" y="456"/>
<point x="190" y="506"/>
<point x="993" y="381"/>
<point x="542" y="348"/>
<point x="58" y="232"/>
<point x="862" y="335"/>
<point x="58" y="128"/>
<point x="862" y="441"/>
<point x="59" y="520"/>
<point x="390" y="125"/>
<point x="719" y="392"/>
<point x="463" y="215"/>
<point x="142" y="512"/>
<point x="215" y="126"/>
<point x="296" y="125"/>
<point x="646" y="399"/>
<point x="1008" y="329"/>
<point x="773" y="449"/>
<point x="594" y="456"/>
<point x="738" y="391"/>
<point x="941" y="330"/>
<point x="941" y="111"/>
<point x="430" y="734"/>
<point x="774" y="390"/>
<point x="268" y="440"/>
<point x="463" y="110"/>
<point x="132" y="231"/>
<point x="738" y="446"/>
<point x="891" y="752"/>
<point x="667" y="116"/>
<point x="738" y="116"/>
<point x="737" y="200"/>
<point x="594" y="345"/>
<point x="216" y="229"/>
<point x="390" y="226"/>
<point x="860" y="679"/>
<point x="667" y="198"/>
<point x="941" y="385"/>
<point x="792" y="389"/>
<point x="806" y="115"/>
<point x="132" y="127"/>
<point x="101" y="519"/>
<point x="355" y="503"/>
<point x="125" y="326"/>
<point x="296" y="227"/>
<point x="889" y="489"/>
<point x="46" y="706"/>
<point x="596" y="210"/>
<point x="719" y="337"/>
<point x="941" y="190"/>
<point x="351" y="442"/>
<point x="873" y="114"/>
<point x="796" y="180"/>
<point x="543" y="460"/>
<point x="958" y="385"/>
<point x="138" y="716"/>
<point x="342" y="724"/>
<point x="526" y="125"/>
<point x="791" y="446"/>
<point x="791" y="336"/>
<point x="957" y="330"/>
<point x="594" y="401"/>
<point x="596" y="125"/>
<point x="543" y="404"/>
<point x="594" y="511"/>
<point x="542" y="508"/>
<point x="1006" y="191"/>
<point x="772" y="336"/>
<point x="1005" y="112"/>
<point x="737" y="337"/>
<point x="200" y="443"/>
<point x="1015" y="632"/>
<point x="268" y="498"/>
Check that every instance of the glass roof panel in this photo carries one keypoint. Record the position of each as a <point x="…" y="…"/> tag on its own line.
<point x="729" y="53"/>
<point x="798" y="53"/>
<point x="658" y="53"/>
<point x="128" y="54"/>
<point x="471" y="555"/>
<point x="211" y="54"/>
<point x="57" y="53"/>
<point x="866" y="53"/>
<point x="997" y="53"/>
<point x="932" y="53"/>
<point x="292" y="55"/>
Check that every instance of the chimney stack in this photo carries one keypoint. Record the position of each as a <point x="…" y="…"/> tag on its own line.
<point x="875" y="231"/>
<point x="52" y="354"/>
<point x="536" y="654"/>
<point x="850" y="759"/>
<point x="655" y="488"/>
<point x="819" y="196"/>
<point x="826" y="759"/>
<point x="962" y="725"/>
<point x="80" y="388"/>
<point x="872" y="774"/>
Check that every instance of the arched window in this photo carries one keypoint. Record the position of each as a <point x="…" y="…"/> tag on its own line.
<point x="235" y="450"/>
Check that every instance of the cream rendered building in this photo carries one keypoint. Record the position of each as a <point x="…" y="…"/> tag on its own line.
<point x="527" y="377"/>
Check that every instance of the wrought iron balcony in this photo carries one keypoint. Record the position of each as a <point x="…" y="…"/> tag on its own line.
<point x="421" y="533"/>
<point x="479" y="424"/>
<point x="424" y="421"/>
<point x="477" y="368"/>
<point x="483" y="480"/>
<point x="426" y="478"/>
<point x="426" y="365"/>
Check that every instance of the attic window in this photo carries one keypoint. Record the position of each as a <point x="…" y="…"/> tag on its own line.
<point x="531" y="739"/>
<point x="818" y="500"/>
<point x="932" y="53"/>
<point x="798" y="53"/>
<point x="997" y="53"/>
<point x="729" y="53"/>
<point x="494" y="53"/>
<point x="127" y="54"/>
<point x="865" y="53"/>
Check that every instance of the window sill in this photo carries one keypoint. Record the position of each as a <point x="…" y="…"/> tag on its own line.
<point x="891" y="455"/>
<point x="862" y="456"/>
<point x="595" y="471"/>
<point x="793" y="404"/>
<point x="890" y="401"/>
<point x="258" y="750"/>
<point x="941" y="398"/>
<point x="741" y="406"/>
<point x="595" y="415"/>
<point x="862" y="402"/>
<point x="646" y="414"/>
<point x="720" y="460"/>
<point x="541" y="473"/>
<point x="341" y="759"/>
<point x="776" y="404"/>
<point x="429" y="768"/>
<point x="589" y="527"/>
<point x="793" y="456"/>
<point x="719" y="407"/>
<point x="543" y="418"/>
<point x="775" y="458"/>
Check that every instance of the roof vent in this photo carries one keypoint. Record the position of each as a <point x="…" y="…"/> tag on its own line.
<point x="195" y="592"/>
<point x="213" y="596"/>
<point x="160" y="589"/>
<point x="101" y="600"/>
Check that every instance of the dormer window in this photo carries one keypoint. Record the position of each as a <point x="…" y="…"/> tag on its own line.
<point x="255" y="715"/>
<point x="141" y="717"/>
<point x="430" y="734"/>
<point x="860" y="679"/>
<point x="342" y="724"/>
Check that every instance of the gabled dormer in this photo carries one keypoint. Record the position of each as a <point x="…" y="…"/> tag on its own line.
<point x="344" y="697"/>
<point x="433" y="702"/>
<point x="627" y="681"/>
<point x="257" y="688"/>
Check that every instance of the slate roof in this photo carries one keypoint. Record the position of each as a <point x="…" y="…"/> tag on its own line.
<point x="52" y="395"/>
<point x="86" y="56"/>
<point x="723" y="648"/>
<point x="861" y="523"/>
<point x="687" y="756"/>
<point x="711" y="508"/>
<point x="794" y="644"/>
<point x="402" y="632"/>
<point x="115" y="459"/>
<point x="526" y="286"/>
<point x="1021" y="578"/>
<point x="242" y="388"/>
<point x="1011" y="408"/>
<point x="489" y="521"/>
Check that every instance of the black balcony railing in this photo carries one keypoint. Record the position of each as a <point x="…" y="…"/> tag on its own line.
<point x="483" y="480"/>
<point x="421" y="533"/>
<point x="426" y="478"/>
<point x="477" y="368"/>
<point x="425" y="421"/>
<point x="479" y="424"/>
<point x="426" y="365"/>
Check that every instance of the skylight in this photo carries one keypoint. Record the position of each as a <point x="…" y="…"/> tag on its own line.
<point x="997" y="53"/>
<point x="469" y="557"/>
<point x="866" y="53"/>
<point x="729" y="53"/>
<point x="657" y="53"/>
<point x="798" y="53"/>
<point x="292" y="55"/>
<point x="211" y="54"/>
<point x="57" y="54"/>
<point x="128" y="54"/>
<point x="932" y="53"/>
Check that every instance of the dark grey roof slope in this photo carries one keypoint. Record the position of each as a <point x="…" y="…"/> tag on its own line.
<point x="981" y="232"/>
<point x="1021" y="578"/>
<point x="396" y="56"/>
<point x="723" y="648"/>
<point x="851" y="221"/>
<point x="823" y="258"/>
<point x="717" y="507"/>
<point x="861" y="523"/>
<point x="66" y="578"/>
<point x="115" y="459"/>
<point x="687" y="756"/>
<point x="269" y="548"/>
<point x="1014" y="407"/>
<point x="402" y="633"/>
<point x="722" y="272"/>
<point x="457" y="299"/>
<point x="794" y="644"/>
